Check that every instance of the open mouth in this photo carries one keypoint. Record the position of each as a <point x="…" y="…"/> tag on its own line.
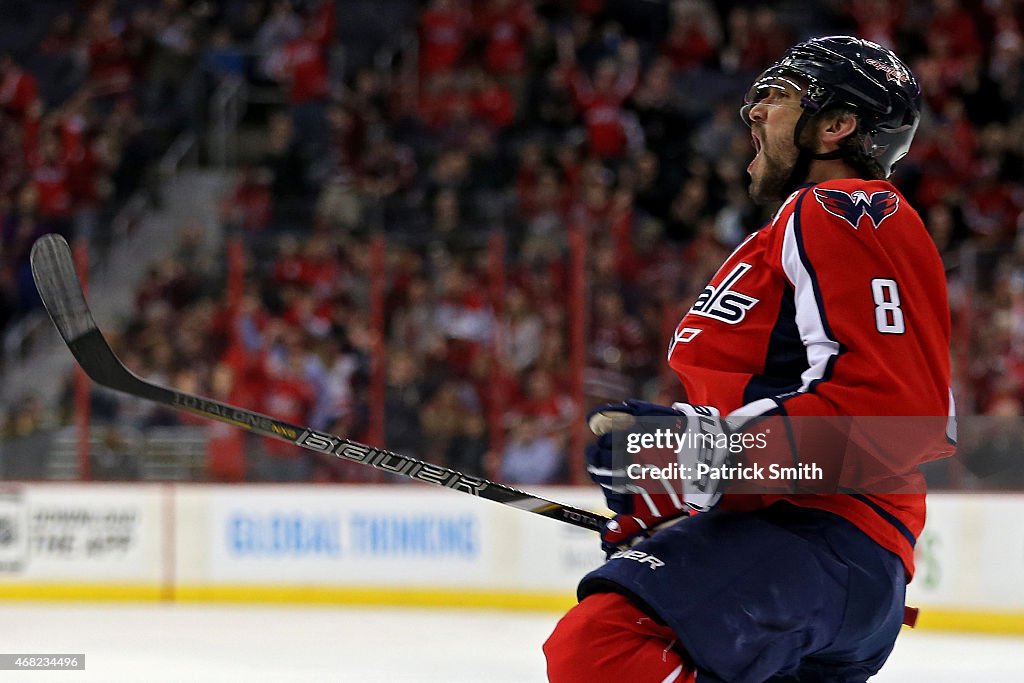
<point x="756" y="141"/>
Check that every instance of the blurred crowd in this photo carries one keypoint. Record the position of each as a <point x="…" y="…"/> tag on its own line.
<point x="90" y="93"/>
<point x="498" y="130"/>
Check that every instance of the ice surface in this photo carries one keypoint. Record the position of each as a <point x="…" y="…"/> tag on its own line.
<point x="300" y="643"/>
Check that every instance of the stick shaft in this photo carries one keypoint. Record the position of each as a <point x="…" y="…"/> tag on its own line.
<point x="62" y="295"/>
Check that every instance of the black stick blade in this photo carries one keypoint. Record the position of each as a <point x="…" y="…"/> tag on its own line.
<point x="53" y="270"/>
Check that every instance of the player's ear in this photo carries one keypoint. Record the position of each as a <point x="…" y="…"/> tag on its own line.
<point x="837" y="126"/>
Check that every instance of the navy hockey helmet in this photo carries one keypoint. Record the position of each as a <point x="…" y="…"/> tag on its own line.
<point x="860" y="76"/>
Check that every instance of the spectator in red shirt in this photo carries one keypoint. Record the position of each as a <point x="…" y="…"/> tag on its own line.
<point x="306" y="313"/>
<point x="110" y="52"/>
<point x="226" y="444"/>
<point x="302" y="65"/>
<point x="88" y="159"/>
<point x="248" y="207"/>
<point x="601" y="101"/>
<point x="544" y="402"/>
<point x="620" y="342"/>
<point x="321" y="270"/>
<point x="18" y="88"/>
<point x="287" y="269"/>
<point x="503" y="26"/>
<point x="491" y="101"/>
<point x="957" y="25"/>
<point x="693" y="39"/>
<point x="444" y="35"/>
<point x="50" y="178"/>
<point x="289" y="396"/>
<point x="877" y="20"/>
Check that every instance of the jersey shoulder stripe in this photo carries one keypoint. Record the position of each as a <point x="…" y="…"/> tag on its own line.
<point x="820" y="342"/>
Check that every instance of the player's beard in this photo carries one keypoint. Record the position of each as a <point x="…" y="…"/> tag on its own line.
<point x="772" y="180"/>
<point x="778" y="157"/>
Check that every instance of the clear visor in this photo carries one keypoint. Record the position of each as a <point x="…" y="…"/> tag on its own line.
<point x="774" y="81"/>
<point x="777" y="79"/>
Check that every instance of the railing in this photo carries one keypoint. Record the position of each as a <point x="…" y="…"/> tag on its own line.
<point x="120" y="453"/>
<point x="987" y="458"/>
<point x="184" y="148"/>
<point x="226" y="110"/>
<point x="17" y="340"/>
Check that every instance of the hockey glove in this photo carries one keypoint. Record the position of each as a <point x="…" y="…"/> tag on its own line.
<point x="644" y="507"/>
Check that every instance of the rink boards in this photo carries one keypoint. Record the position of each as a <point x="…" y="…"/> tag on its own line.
<point x="407" y="545"/>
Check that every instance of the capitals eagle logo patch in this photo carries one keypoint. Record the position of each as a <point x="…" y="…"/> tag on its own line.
<point x="851" y="207"/>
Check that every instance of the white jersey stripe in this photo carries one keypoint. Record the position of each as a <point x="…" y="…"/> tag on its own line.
<point x="674" y="676"/>
<point x="951" y="423"/>
<point x="821" y="348"/>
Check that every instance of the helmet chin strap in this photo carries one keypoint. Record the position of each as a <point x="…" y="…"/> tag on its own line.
<point x="802" y="165"/>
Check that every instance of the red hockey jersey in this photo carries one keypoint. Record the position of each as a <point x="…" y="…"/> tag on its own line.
<point x="837" y="307"/>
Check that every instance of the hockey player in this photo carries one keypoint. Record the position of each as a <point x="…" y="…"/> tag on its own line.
<point x="837" y="307"/>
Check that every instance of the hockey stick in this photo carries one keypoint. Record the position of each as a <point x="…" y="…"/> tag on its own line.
<point x="54" y="273"/>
